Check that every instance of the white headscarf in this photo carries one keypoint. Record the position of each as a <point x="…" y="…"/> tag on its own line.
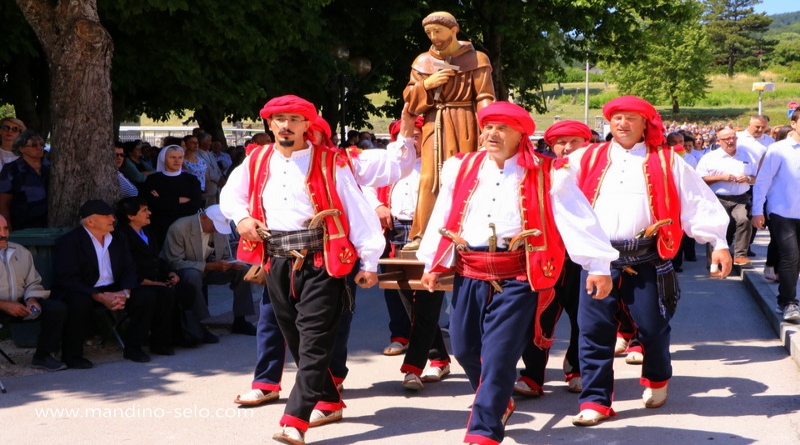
<point x="160" y="167"/>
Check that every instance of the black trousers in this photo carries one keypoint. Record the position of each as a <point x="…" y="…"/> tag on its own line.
<point x="162" y="317"/>
<point x="308" y="306"/>
<point x="425" y="337"/>
<point x="51" y="322"/>
<point x="567" y="292"/>
<point x="80" y="306"/>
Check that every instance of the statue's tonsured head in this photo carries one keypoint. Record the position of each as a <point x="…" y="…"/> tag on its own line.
<point x="440" y="18"/>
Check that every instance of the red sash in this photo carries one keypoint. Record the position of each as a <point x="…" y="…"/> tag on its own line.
<point x="663" y="195"/>
<point x="340" y="254"/>
<point x="544" y="254"/>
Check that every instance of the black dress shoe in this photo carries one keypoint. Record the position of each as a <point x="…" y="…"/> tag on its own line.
<point x="77" y="362"/>
<point x="691" y="258"/>
<point x="751" y="253"/>
<point x="678" y="269"/>
<point x="162" y="350"/>
<point x="243" y="327"/>
<point x="48" y="363"/>
<point x="135" y="354"/>
<point x="208" y="337"/>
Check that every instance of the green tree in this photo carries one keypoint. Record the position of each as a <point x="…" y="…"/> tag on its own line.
<point x="672" y="67"/>
<point x="736" y="34"/>
<point x="787" y="50"/>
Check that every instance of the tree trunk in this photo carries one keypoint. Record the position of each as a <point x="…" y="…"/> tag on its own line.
<point x="676" y="108"/>
<point x="210" y="120"/>
<point x="78" y="51"/>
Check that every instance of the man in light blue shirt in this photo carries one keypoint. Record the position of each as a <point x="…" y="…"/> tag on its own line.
<point x="777" y="184"/>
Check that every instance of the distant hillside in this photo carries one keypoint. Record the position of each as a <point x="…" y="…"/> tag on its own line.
<point x="787" y="22"/>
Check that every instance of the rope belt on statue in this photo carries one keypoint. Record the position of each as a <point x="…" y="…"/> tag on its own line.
<point x="438" y="142"/>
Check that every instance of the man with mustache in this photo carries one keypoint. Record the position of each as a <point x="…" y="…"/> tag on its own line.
<point x="305" y="196"/>
<point x="449" y="84"/>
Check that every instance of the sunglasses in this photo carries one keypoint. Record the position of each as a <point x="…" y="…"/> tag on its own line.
<point x="15" y="129"/>
<point x="120" y="155"/>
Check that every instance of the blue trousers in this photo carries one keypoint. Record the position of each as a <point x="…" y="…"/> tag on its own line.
<point x="488" y="332"/>
<point x="598" y="329"/>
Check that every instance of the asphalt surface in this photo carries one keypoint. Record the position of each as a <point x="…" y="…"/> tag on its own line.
<point x="734" y="383"/>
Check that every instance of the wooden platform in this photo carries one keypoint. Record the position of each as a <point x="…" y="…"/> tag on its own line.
<point x="406" y="271"/>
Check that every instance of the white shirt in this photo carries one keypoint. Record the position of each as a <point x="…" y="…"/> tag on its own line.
<point x="288" y="206"/>
<point x="378" y="167"/>
<point x="496" y="199"/>
<point x="405" y="194"/>
<point x="622" y="204"/>
<point x="778" y="180"/>
<point x="756" y="146"/>
<point x="719" y="162"/>
<point x="103" y="259"/>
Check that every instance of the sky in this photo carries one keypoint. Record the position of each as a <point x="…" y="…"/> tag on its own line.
<point x="777" y="6"/>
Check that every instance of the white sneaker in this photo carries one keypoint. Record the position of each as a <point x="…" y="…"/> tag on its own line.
<point x="791" y="312"/>
<point x="434" y="374"/>
<point x="769" y="273"/>
<point x="654" y="397"/>
<point x="621" y="346"/>
<point x="413" y="382"/>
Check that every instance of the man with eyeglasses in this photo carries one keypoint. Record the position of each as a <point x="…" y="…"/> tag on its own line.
<point x="303" y="199"/>
<point x="24" y="184"/>
<point x="10" y="128"/>
<point x="729" y="172"/>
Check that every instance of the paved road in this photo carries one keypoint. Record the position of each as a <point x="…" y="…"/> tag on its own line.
<point x="734" y="384"/>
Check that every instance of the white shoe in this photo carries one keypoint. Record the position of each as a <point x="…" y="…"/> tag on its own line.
<point x="634" y="358"/>
<point x="588" y="417"/>
<point x="621" y="346"/>
<point x="523" y="388"/>
<point x="575" y="385"/>
<point x="412" y="382"/>
<point x="256" y="397"/>
<point x="290" y="435"/>
<point x="395" y="348"/>
<point x="320" y="417"/>
<point x="654" y="397"/>
<point x="769" y="273"/>
<point x="434" y="374"/>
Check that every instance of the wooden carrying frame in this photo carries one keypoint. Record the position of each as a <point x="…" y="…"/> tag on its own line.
<point x="406" y="273"/>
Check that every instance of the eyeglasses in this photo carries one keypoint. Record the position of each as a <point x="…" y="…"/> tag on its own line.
<point x="291" y="120"/>
<point x="15" y="129"/>
<point x="730" y="139"/>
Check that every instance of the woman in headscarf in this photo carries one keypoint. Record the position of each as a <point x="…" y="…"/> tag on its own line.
<point x="171" y="193"/>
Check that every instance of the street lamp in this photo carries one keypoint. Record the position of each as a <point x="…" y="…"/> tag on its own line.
<point x="763" y="87"/>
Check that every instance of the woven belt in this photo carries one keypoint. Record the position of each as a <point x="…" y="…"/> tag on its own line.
<point x="281" y="243"/>
<point x="634" y="251"/>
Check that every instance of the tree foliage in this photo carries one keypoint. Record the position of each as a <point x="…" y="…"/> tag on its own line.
<point x="671" y="66"/>
<point x="736" y="33"/>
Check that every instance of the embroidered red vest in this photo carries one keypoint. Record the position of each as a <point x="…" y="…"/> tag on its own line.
<point x="545" y="253"/>
<point x="339" y="252"/>
<point x="663" y="197"/>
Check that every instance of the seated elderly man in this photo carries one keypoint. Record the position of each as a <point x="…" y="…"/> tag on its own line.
<point x="94" y="268"/>
<point x="197" y="249"/>
<point x="23" y="298"/>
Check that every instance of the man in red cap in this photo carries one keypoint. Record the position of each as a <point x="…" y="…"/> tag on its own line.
<point x="563" y="138"/>
<point x="505" y="214"/>
<point x="318" y="224"/>
<point x="645" y="197"/>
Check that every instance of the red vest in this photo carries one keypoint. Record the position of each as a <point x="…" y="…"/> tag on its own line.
<point x="663" y="196"/>
<point x="544" y="254"/>
<point x="340" y="254"/>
